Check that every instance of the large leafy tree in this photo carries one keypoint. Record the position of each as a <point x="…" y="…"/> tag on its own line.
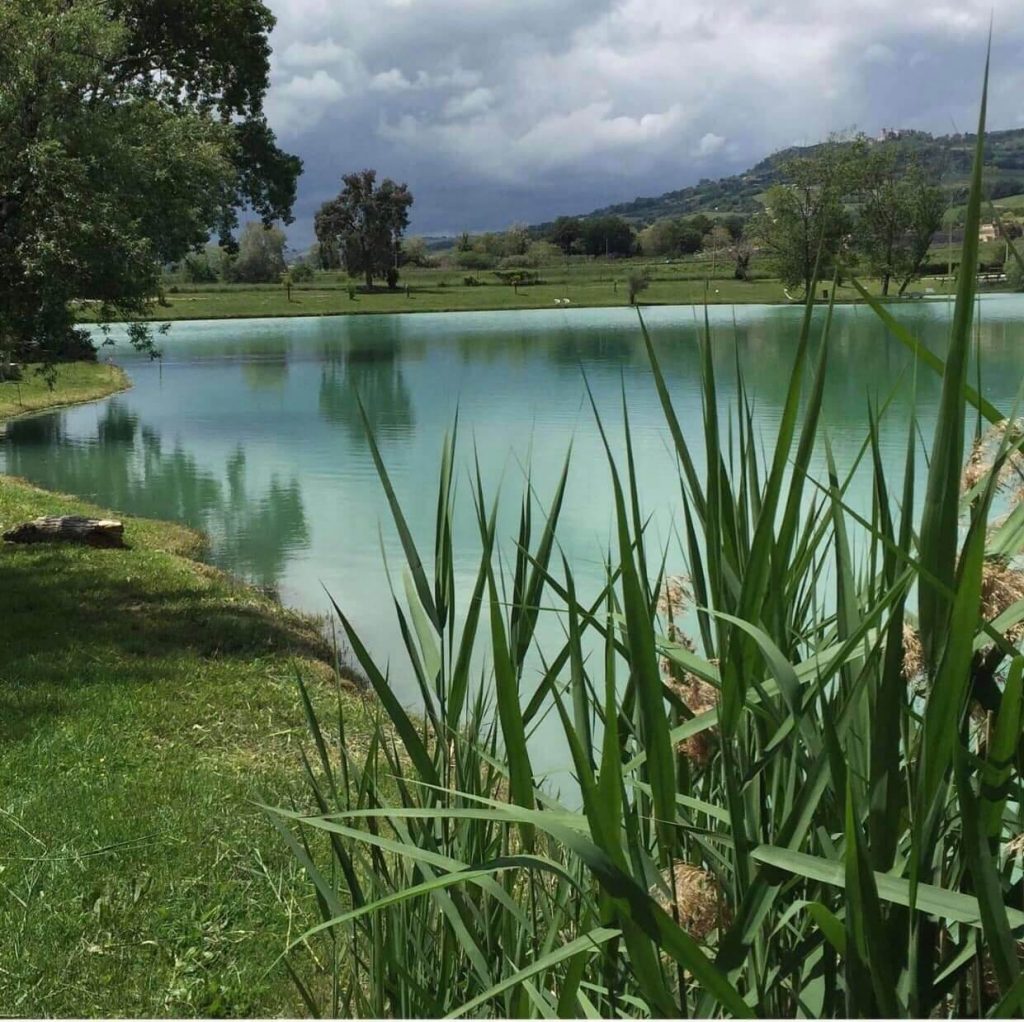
<point x="900" y="212"/>
<point x="260" y="258"/>
<point x="129" y="130"/>
<point x="805" y="221"/>
<point x="361" y="229"/>
<point x="565" y="232"/>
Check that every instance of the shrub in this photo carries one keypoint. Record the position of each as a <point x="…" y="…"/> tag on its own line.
<point x="937" y="269"/>
<point x="543" y="253"/>
<point x="196" y="268"/>
<point x="302" y="273"/>
<point x="515" y="262"/>
<point x="517" y="278"/>
<point x="474" y="260"/>
<point x="260" y="258"/>
<point x="1015" y="275"/>
<point x="414" y="252"/>
<point x="637" y="281"/>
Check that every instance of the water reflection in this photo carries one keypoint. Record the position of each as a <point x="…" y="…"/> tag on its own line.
<point x="250" y="430"/>
<point x="268" y="373"/>
<point x="127" y="466"/>
<point x="374" y="372"/>
<point x="257" y="536"/>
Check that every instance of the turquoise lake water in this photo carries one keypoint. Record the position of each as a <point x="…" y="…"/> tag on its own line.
<point x="249" y="429"/>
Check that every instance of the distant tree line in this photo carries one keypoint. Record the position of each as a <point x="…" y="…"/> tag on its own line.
<point x="258" y="257"/>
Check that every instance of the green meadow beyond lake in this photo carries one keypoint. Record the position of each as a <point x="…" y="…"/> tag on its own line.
<point x="250" y="430"/>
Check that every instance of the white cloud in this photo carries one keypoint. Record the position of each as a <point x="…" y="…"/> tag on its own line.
<point x="390" y="81"/>
<point x="468" y="104"/>
<point x="709" y="145"/>
<point x="300" y="103"/>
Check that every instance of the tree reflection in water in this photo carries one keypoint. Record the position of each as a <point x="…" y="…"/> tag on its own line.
<point x="374" y="372"/>
<point x="125" y="467"/>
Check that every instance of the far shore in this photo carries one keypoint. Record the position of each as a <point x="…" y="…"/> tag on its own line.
<point x="333" y="299"/>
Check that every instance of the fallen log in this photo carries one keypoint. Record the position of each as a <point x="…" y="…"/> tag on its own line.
<point x="103" y="532"/>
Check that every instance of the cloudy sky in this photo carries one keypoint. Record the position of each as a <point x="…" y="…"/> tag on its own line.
<point x="496" y="111"/>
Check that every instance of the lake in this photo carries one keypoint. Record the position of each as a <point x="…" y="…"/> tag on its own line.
<point x="250" y="431"/>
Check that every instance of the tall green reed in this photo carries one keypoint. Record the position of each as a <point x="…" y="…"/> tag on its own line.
<point x="810" y="806"/>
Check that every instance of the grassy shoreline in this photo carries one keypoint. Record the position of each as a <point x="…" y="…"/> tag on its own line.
<point x="447" y="291"/>
<point x="76" y="383"/>
<point x="148" y="700"/>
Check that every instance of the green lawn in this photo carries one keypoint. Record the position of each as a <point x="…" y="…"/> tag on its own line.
<point x="75" y="382"/>
<point x="593" y="285"/>
<point x="145" y="700"/>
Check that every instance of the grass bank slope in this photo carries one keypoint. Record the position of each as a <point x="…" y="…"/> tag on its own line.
<point x="145" y="699"/>
<point x="75" y="382"/>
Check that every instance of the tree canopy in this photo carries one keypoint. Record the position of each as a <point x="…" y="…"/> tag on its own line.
<point x="899" y="212"/>
<point x="670" y="237"/>
<point x="260" y="258"/>
<point x="131" y="129"/>
<point x="361" y="229"/>
<point x="565" y="233"/>
<point x="865" y="202"/>
<point x="805" y="221"/>
<point x="607" y="235"/>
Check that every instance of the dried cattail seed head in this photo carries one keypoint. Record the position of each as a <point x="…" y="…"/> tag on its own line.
<point x="693" y="897"/>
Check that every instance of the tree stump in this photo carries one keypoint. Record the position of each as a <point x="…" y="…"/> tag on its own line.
<point x="102" y="532"/>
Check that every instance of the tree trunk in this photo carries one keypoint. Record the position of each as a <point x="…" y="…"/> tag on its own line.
<point x="68" y="529"/>
<point x="369" y="279"/>
<point x="885" y="285"/>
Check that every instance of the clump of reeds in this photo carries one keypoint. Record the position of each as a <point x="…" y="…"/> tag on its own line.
<point x="1000" y="442"/>
<point x="861" y="835"/>
<point x="1002" y="585"/>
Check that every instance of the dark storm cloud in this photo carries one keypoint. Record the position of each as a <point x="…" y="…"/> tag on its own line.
<point x="495" y="111"/>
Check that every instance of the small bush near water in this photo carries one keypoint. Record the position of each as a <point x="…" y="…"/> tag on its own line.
<point x="810" y="806"/>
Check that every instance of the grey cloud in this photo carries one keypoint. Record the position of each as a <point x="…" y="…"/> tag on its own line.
<point x="521" y="109"/>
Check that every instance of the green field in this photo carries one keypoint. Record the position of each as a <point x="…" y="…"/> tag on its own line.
<point x="147" y="699"/>
<point x="584" y="284"/>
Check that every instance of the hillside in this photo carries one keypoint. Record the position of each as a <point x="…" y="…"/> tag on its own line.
<point x="948" y="155"/>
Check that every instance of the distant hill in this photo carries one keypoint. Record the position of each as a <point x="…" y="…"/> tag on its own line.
<point x="437" y="242"/>
<point x="949" y="157"/>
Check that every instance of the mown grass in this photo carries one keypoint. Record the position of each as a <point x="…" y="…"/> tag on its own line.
<point x="599" y="285"/>
<point x="73" y="383"/>
<point x="145" y="701"/>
